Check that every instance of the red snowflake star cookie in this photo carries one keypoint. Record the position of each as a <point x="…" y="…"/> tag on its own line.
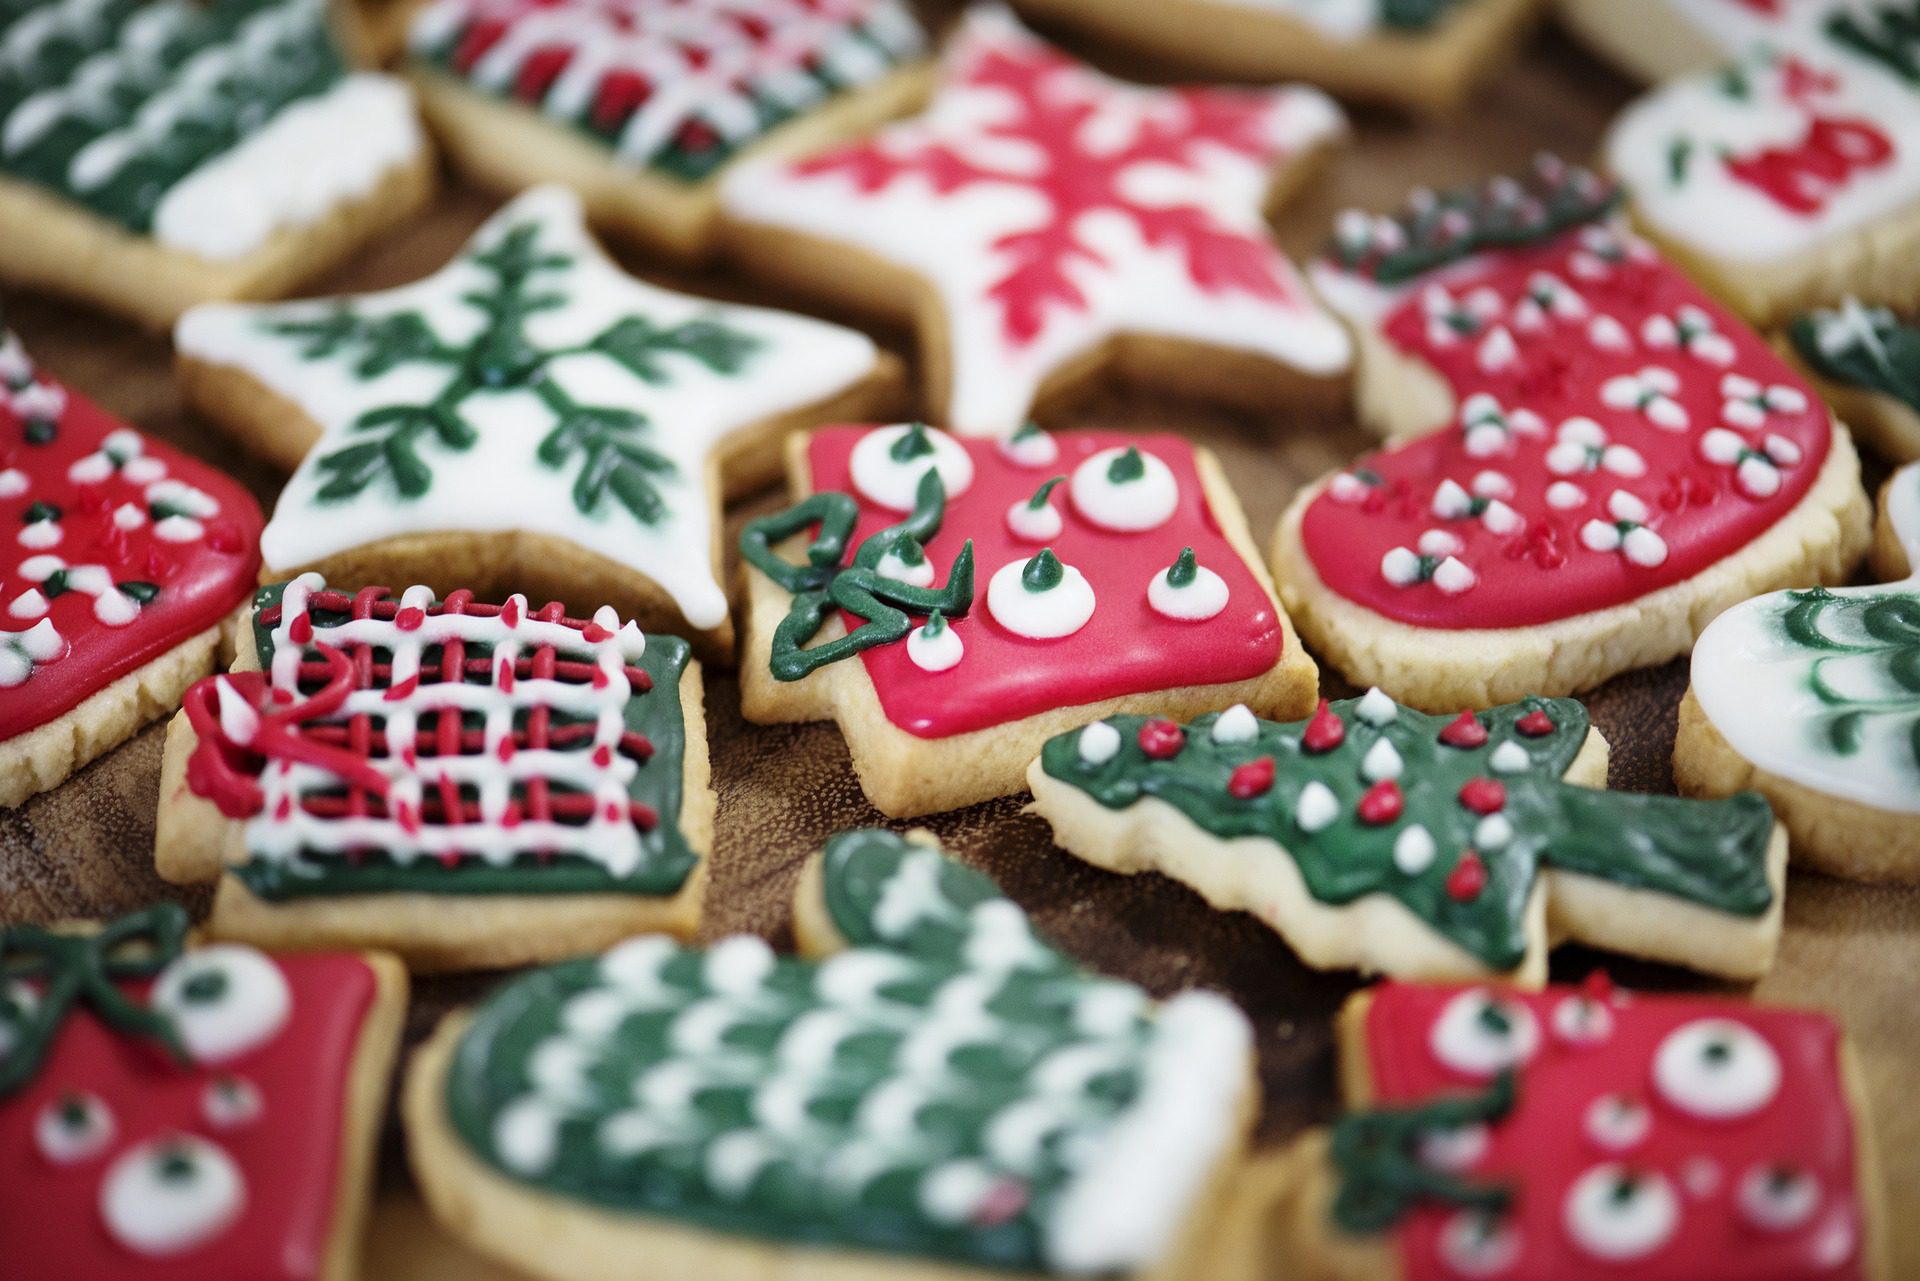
<point x="1042" y="221"/>
<point x="187" y="1113"/>
<point x="122" y="563"/>
<point x="1597" y="458"/>
<point x="1584" y="1133"/>
<point x="960" y="601"/>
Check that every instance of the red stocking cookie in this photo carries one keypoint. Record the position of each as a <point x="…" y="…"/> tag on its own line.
<point x="1042" y="221"/>
<point x="1598" y="459"/>
<point x="122" y="565"/>
<point x="173" y="1113"/>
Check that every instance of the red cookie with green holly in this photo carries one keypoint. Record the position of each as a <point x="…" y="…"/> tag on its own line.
<point x="1593" y="458"/>
<point x="122" y="565"/>
<point x="188" y="1113"/>
<point x="1582" y="1134"/>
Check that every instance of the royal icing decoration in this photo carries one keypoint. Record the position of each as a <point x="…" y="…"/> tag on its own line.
<point x="1052" y="209"/>
<point x="446" y="746"/>
<point x="110" y="1044"/>
<point x="1576" y="475"/>
<point x="674" y="87"/>
<point x="114" y="548"/>
<point x="948" y="1087"/>
<point x="1822" y="687"/>
<point x="529" y="385"/>
<point x="1696" y="1137"/>
<point x="1060" y="625"/>
<point x="1864" y="347"/>
<point x="1357" y="19"/>
<point x="208" y="126"/>
<point x="1460" y="820"/>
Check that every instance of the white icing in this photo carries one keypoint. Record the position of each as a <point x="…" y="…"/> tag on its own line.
<point x="1454" y="1149"/>
<point x="1376" y="708"/>
<point x="953" y="239"/>
<point x="893" y="483"/>
<point x="1060" y="610"/>
<point x="1237" y="724"/>
<point x="893" y="565"/>
<point x="1618" y="1122"/>
<point x="499" y="484"/>
<point x="1510" y="758"/>
<point x="152" y="1209"/>
<point x="935" y="653"/>
<point x="1413" y="849"/>
<point x="230" y="1102"/>
<point x="1199" y="600"/>
<point x="1473" y="1246"/>
<point x="1033" y="448"/>
<point x="1778" y="1199"/>
<point x="224" y="999"/>
<point x="1480" y="1034"/>
<point x="1618" y="1227"/>
<point x="1717" y="1068"/>
<point x="1099" y="742"/>
<point x="1040" y="524"/>
<point x="1382" y="761"/>
<point x="71" y="1128"/>
<point x="1126" y="506"/>
<point x="1492" y="832"/>
<point x="1317" y="808"/>
<point x="1580" y="1019"/>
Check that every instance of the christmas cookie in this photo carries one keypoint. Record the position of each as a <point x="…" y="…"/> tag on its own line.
<point x="1425" y="54"/>
<point x="1377" y="837"/>
<point x="1591" y="460"/>
<point x="123" y="569"/>
<point x="1656" y="40"/>
<point x="155" y="155"/>
<point x="954" y="603"/>
<point x="179" y="1113"/>
<point x="642" y="106"/>
<point x="528" y="419"/>
<point x="1865" y="362"/>
<point x="1813" y="698"/>
<point x="1581" y="1134"/>
<point x="1042" y="223"/>
<point x="465" y="784"/>
<point x="930" y="1091"/>
<point x="1787" y="178"/>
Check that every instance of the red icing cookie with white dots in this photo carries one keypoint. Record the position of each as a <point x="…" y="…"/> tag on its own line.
<point x="122" y="565"/>
<point x="1581" y="1134"/>
<point x="1594" y="457"/>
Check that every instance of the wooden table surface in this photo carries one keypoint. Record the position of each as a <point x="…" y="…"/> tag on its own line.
<point x="84" y="849"/>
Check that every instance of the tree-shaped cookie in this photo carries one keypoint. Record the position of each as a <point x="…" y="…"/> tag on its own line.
<point x="464" y="783"/>
<point x="1582" y="1134"/>
<point x="931" y="1087"/>
<point x="1813" y="698"/>
<point x="123" y="565"/>
<point x="643" y="105"/>
<point x="1591" y="457"/>
<point x="156" y="155"/>
<point x="1041" y="221"/>
<point x="1865" y="362"/>
<point x="954" y="602"/>
<point x="530" y="418"/>
<point x="180" y="1113"/>
<point x="1381" y="838"/>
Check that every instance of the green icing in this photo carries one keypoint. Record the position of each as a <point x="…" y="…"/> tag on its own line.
<point x="1709" y="852"/>
<point x="1885" y="33"/>
<point x="1376" y="1158"/>
<point x="1878" y="629"/>
<point x="1415" y="15"/>
<point x="1867" y="347"/>
<point x="667" y="858"/>
<point x="931" y="1091"/>
<point x="112" y="102"/>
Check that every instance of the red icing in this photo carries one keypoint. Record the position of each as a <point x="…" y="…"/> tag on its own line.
<point x="1805" y="177"/>
<point x="289" y="1155"/>
<point x="1125" y="648"/>
<point x="200" y="582"/>
<point x="1465" y="731"/>
<point x="1162" y="740"/>
<point x="1535" y="724"/>
<point x="1483" y="795"/>
<point x="1468" y="877"/>
<point x="1325" y="731"/>
<point x="1255" y="778"/>
<point x="1541" y="1146"/>
<point x="1540" y="570"/>
<point x="1381" y="803"/>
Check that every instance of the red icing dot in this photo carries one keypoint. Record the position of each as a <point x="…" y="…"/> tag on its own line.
<point x="1465" y="731"/>
<point x="1382" y="803"/>
<point x="410" y="618"/>
<point x="1467" y="879"/>
<point x="1484" y="795"/>
<point x="1535" y="724"/>
<point x="300" y="630"/>
<point x="1162" y="739"/>
<point x="1252" y="779"/>
<point x="1325" y="731"/>
<point x="594" y="633"/>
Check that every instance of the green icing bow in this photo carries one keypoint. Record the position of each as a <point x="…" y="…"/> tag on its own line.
<point x="1376" y="1156"/>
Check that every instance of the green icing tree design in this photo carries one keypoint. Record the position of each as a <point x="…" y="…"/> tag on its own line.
<point x="1862" y="347"/>
<point x="934" y="1089"/>
<point x="604" y="443"/>
<point x="1881" y="629"/>
<point x="1454" y="817"/>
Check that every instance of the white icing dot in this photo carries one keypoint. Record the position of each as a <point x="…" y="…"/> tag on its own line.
<point x="1455" y="1148"/>
<point x="230" y="1101"/>
<point x="141" y="471"/>
<point x="1382" y="761"/>
<point x="1453" y="577"/>
<point x="935" y="653"/>
<point x="1060" y="610"/>
<point x="1716" y="1068"/>
<point x="1644" y="547"/>
<point x="1377" y="708"/>
<point x="1565" y="495"/>
<point x="1317" y="808"/>
<point x="1493" y="832"/>
<point x="1617" y="1214"/>
<point x="1618" y="1122"/>
<point x="224" y="1000"/>
<point x="73" y="1128"/>
<point x="1099" y="743"/>
<point x="129" y="516"/>
<point x="1778" y="1198"/>
<point x="1237" y="724"/>
<point x="1413" y="850"/>
<point x="1439" y="542"/>
<point x="893" y="565"/>
<point x="1480" y="1033"/>
<point x="1040" y="524"/>
<point x="1029" y="448"/>
<point x="1510" y="758"/>
<point x="29" y="604"/>
<point x="1146" y="501"/>
<point x="1581" y="1020"/>
<point x="893" y="483"/>
<point x="170" y="1194"/>
<point x="1197" y="601"/>
<point x="178" y="529"/>
<point x="1476" y="1244"/>
<point x="13" y="483"/>
<point x="1400" y="566"/>
<point x="526" y="1135"/>
<point x="952" y="1191"/>
<point x="40" y="534"/>
<point x="90" y="469"/>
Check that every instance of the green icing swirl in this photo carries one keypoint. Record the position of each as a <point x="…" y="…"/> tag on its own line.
<point x="1865" y="347"/>
<point x="666" y="860"/>
<point x="876" y="1099"/>
<point x="1708" y="852"/>
<point x="1878" y="629"/>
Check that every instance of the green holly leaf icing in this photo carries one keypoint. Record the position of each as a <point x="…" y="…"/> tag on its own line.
<point x="1866" y="347"/>
<point x="949" y="1086"/>
<point x="1468" y="878"/>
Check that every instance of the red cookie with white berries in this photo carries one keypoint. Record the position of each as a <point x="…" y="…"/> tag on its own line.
<point x="123" y="569"/>
<point x="1591" y="457"/>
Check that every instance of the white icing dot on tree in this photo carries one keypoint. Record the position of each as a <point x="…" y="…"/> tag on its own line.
<point x="1382" y="761"/>
<point x="1376" y="708"/>
<point x="170" y="1194"/>
<point x="886" y="466"/>
<point x="1413" y="849"/>
<point x="1717" y="1069"/>
<point x="1492" y="832"/>
<point x="1317" y="808"/>
<point x="1510" y="758"/>
<point x="1237" y="724"/>
<point x="1124" y="489"/>
<point x="1099" y="743"/>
